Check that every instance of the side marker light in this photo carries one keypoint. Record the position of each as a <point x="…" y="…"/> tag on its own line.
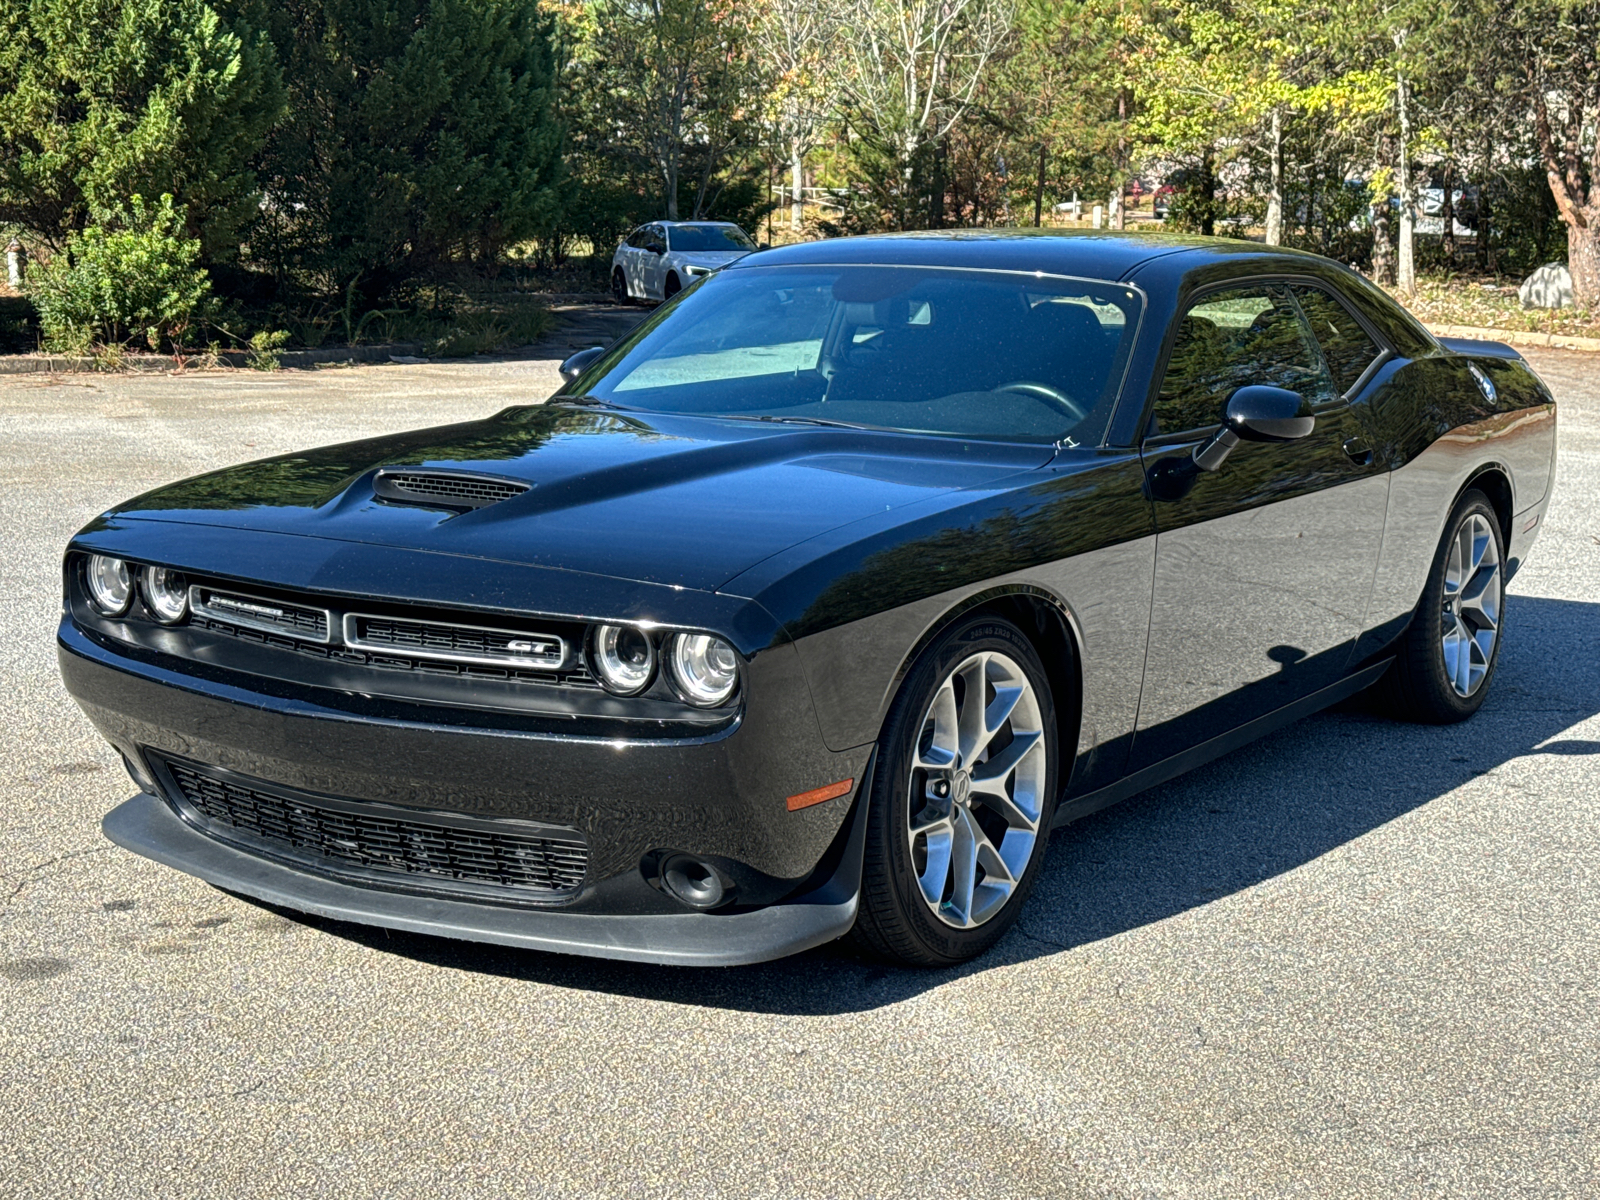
<point x="830" y="791"/>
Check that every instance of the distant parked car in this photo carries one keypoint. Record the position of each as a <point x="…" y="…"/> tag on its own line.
<point x="658" y="260"/>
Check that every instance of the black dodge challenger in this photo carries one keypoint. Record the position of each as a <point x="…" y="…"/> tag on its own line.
<point x="816" y="603"/>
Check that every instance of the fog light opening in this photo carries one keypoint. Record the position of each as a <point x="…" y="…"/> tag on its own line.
<point x="138" y="774"/>
<point x="693" y="882"/>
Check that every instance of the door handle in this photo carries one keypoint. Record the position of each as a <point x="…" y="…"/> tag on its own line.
<point x="1359" y="451"/>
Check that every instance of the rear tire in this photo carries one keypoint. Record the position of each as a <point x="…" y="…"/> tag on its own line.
<point x="1447" y="658"/>
<point x="962" y="799"/>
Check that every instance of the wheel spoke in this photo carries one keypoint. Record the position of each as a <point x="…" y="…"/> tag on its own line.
<point x="945" y="748"/>
<point x="940" y="836"/>
<point x="1452" y="649"/>
<point x="1478" y="542"/>
<point x="964" y="866"/>
<point x="989" y="781"/>
<point x="1461" y="675"/>
<point x="1455" y="570"/>
<point x="973" y="701"/>
<point x="1000" y="708"/>
<point x="996" y="870"/>
<point x="1480" y="600"/>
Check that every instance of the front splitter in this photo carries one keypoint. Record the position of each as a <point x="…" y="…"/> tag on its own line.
<point x="148" y="826"/>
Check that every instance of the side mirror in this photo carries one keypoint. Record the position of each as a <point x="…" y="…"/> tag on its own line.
<point x="1256" y="414"/>
<point x="656" y="248"/>
<point x="1253" y="414"/>
<point x="579" y="362"/>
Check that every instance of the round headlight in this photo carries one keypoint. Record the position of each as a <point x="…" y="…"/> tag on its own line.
<point x="166" y="594"/>
<point x="704" y="667"/>
<point x="110" y="584"/>
<point x="624" y="658"/>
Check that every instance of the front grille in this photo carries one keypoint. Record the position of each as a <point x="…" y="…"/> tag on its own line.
<point x="451" y="488"/>
<point x="257" y="612"/>
<point x="347" y="838"/>
<point x="576" y="675"/>
<point x="455" y="643"/>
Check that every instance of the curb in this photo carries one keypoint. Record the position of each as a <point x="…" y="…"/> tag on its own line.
<point x="1517" y="337"/>
<point x="32" y="364"/>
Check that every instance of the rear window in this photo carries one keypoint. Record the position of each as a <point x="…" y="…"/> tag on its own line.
<point x="961" y="353"/>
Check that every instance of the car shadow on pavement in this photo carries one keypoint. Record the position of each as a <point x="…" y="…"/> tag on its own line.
<point x="1261" y="812"/>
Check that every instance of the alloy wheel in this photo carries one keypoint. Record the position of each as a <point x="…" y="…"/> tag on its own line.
<point x="977" y="789"/>
<point x="1473" y="590"/>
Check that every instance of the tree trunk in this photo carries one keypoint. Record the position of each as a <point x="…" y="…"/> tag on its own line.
<point x="1406" y="272"/>
<point x="1208" y="195"/>
<point x="1038" y="195"/>
<point x="1310" y="227"/>
<point x="797" y="181"/>
<point x="1485" y="220"/>
<point x="1378" y="208"/>
<point x="907" y="176"/>
<point x="1583" y="260"/>
<point x="1275" y="196"/>
<point x="1449" y="207"/>
<point x="1117" y="221"/>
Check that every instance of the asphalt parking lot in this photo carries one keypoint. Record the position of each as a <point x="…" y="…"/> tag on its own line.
<point x="1356" y="959"/>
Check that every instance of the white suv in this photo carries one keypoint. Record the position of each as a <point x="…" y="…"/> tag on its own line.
<point x="658" y="260"/>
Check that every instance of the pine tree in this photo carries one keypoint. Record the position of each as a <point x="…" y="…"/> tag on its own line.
<point x="104" y="99"/>
<point x="421" y="131"/>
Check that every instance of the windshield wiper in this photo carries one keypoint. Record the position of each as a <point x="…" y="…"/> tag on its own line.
<point x="593" y="402"/>
<point x="778" y="420"/>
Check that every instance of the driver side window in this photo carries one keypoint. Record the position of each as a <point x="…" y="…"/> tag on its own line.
<point x="1231" y="339"/>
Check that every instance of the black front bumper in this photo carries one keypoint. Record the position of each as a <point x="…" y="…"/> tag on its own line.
<point x="720" y="798"/>
<point x="148" y="826"/>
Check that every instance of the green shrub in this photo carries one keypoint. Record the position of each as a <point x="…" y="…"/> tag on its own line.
<point x="132" y="275"/>
<point x="264" y="347"/>
<point x="488" y="332"/>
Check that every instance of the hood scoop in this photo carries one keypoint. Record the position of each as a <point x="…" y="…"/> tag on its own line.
<point x="458" y="491"/>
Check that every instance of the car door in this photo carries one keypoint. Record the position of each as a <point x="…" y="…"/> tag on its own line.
<point x="652" y="262"/>
<point x="635" y="256"/>
<point x="1264" y="568"/>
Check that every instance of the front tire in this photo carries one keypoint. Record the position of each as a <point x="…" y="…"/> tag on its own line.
<point x="619" y="287"/>
<point x="962" y="799"/>
<point x="672" y="288"/>
<point x="1447" y="658"/>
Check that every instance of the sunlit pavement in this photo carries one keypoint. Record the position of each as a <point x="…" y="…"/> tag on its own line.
<point x="1358" y="958"/>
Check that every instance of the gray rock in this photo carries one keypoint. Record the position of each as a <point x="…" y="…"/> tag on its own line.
<point x="1548" y="287"/>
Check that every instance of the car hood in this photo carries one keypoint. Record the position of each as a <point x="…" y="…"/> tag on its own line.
<point x="683" y="501"/>
<point x="710" y="258"/>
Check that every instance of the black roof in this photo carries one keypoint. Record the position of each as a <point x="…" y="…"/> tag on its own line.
<point x="1091" y="254"/>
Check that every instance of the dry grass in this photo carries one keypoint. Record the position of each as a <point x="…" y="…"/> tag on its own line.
<point x="1492" y="304"/>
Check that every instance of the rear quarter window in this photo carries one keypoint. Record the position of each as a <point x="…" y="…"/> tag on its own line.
<point x="1398" y="327"/>
<point x="1344" y="342"/>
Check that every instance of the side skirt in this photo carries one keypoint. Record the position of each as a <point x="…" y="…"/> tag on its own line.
<point x="1169" y="768"/>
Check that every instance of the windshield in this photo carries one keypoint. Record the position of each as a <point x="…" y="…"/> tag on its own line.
<point x="966" y="353"/>
<point x="708" y="237"/>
